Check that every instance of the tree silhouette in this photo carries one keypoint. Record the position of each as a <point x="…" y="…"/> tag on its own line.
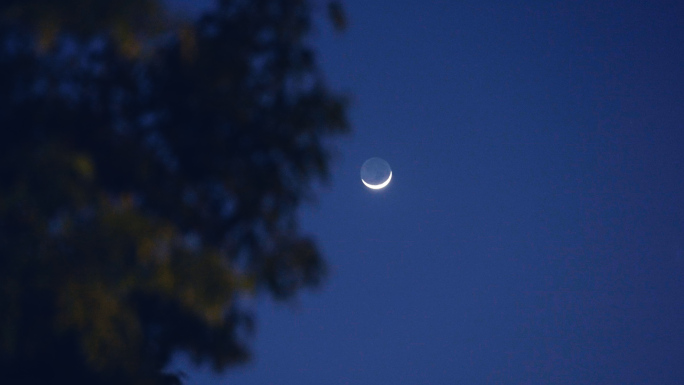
<point x="150" y="170"/>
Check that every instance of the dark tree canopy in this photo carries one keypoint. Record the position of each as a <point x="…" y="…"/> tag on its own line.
<point x="149" y="175"/>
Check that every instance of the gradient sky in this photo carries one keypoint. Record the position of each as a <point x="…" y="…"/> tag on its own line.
<point x="533" y="232"/>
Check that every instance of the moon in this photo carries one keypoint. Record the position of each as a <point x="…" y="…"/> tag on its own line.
<point x="376" y="173"/>
<point x="378" y="186"/>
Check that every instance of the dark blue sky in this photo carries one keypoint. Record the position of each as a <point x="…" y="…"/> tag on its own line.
<point x="533" y="232"/>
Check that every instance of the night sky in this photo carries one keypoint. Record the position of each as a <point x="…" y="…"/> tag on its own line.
<point x="533" y="231"/>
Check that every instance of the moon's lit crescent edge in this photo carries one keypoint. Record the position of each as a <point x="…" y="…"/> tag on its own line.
<point x="378" y="186"/>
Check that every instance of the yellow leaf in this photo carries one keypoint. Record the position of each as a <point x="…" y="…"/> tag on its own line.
<point x="84" y="166"/>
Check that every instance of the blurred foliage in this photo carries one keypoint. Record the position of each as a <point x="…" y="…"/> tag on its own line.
<point x="142" y="196"/>
<point x="128" y="21"/>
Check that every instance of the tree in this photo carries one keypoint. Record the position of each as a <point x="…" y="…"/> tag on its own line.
<point x="149" y="175"/>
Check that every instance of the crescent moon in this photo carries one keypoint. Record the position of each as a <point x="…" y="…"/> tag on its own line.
<point x="378" y="186"/>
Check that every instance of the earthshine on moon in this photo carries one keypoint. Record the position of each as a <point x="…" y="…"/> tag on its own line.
<point x="376" y="173"/>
